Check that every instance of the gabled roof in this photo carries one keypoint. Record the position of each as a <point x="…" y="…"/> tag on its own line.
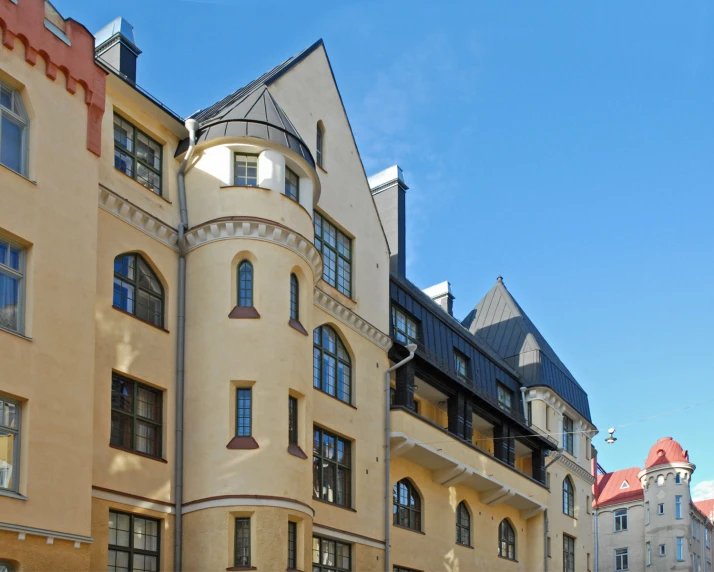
<point x="609" y="489"/>
<point x="707" y="507"/>
<point x="503" y="324"/>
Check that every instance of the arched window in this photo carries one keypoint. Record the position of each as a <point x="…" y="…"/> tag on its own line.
<point x="137" y="290"/>
<point x="406" y="509"/>
<point x="294" y="298"/>
<point x="14" y="127"/>
<point x="332" y="369"/>
<point x="320" y="144"/>
<point x="568" y="497"/>
<point x="245" y="284"/>
<point x="506" y="540"/>
<point x="463" y="525"/>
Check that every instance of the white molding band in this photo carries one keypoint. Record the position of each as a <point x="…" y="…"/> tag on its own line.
<point x="256" y="229"/>
<point x="352" y="320"/>
<point x="131" y="501"/>
<point x="248" y="501"/>
<point x="50" y="535"/>
<point x="138" y="218"/>
<point x="345" y="536"/>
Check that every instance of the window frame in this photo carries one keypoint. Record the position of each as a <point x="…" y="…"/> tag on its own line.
<point x="622" y="560"/>
<point x="318" y="566"/>
<point x="318" y="357"/>
<point x="18" y="116"/>
<point x="568" y="555"/>
<point x="647" y="513"/>
<point x="245" y="272"/>
<point x="504" y="391"/>
<point x="507" y="539"/>
<point x="660" y="506"/>
<point x="294" y="297"/>
<point x="678" y="507"/>
<point x="568" y="497"/>
<point x="19" y="274"/>
<point x="679" y="549"/>
<point x="662" y="550"/>
<point x="648" y="554"/>
<point x="410" y="324"/>
<point x="320" y="145"/>
<point x="241" y="422"/>
<point x="255" y="156"/>
<point x="293" y="417"/>
<point x="463" y="524"/>
<point x="620" y="521"/>
<point x="568" y="435"/>
<point x="413" y="513"/>
<point x="136" y="418"/>
<point x="320" y="224"/>
<point x="460" y="357"/>
<point x="243" y="560"/>
<point x="15" y="431"/>
<point x="322" y="462"/>
<point x="134" y="283"/>
<point x="130" y="549"/>
<point x="135" y="160"/>
<point x="292" y="545"/>
<point x="296" y="197"/>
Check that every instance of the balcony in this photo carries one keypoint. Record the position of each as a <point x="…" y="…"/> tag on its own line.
<point x="453" y="461"/>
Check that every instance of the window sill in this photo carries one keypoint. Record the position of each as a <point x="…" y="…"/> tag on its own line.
<point x="158" y="196"/>
<point x="12" y="494"/>
<point x="334" y="397"/>
<point x="18" y="174"/>
<point x="140" y="320"/>
<point x="244" y="313"/>
<point x="508" y="559"/>
<point x="242" y="568"/>
<point x="465" y="545"/>
<point x="333" y="504"/>
<point x="139" y="453"/>
<point x="14" y="333"/>
<point x="295" y="324"/>
<point x="321" y="168"/>
<point x="296" y="451"/>
<point x="408" y="529"/>
<point x="244" y="443"/>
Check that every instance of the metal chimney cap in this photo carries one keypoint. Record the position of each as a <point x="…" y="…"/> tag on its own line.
<point x="117" y="27"/>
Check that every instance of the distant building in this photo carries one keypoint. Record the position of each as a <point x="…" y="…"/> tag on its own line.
<point x="645" y="518"/>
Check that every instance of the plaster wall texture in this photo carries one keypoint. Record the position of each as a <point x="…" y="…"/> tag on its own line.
<point x="55" y="220"/>
<point x="633" y="538"/>
<point x="34" y="554"/>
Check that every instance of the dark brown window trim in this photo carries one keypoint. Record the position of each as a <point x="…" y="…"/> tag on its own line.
<point x="334" y="397"/>
<point x="243" y="312"/>
<point x="297" y="451"/>
<point x="118" y="448"/>
<point x="333" y="504"/>
<point x="508" y="559"/>
<point x="409" y="529"/>
<point x="157" y="501"/>
<point x="243" y="443"/>
<point x="298" y="326"/>
<point x="140" y="320"/>
<point x="465" y="545"/>
<point x="348" y="532"/>
<point x="242" y="568"/>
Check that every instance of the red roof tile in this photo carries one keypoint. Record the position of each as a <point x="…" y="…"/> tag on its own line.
<point x="609" y="489"/>
<point x="666" y="450"/>
<point x="707" y="507"/>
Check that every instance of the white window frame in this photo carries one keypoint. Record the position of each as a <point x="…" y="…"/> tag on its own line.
<point x="679" y="555"/>
<point x="647" y="513"/>
<point x="17" y="432"/>
<point x="619" y="520"/>
<point x="619" y="567"/>
<point x="660" y="512"/>
<point x="17" y="115"/>
<point x="662" y="550"/>
<point x="648" y="554"/>
<point x="20" y="275"/>
<point x="678" y="508"/>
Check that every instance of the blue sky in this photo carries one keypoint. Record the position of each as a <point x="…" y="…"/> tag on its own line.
<point x="566" y="145"/>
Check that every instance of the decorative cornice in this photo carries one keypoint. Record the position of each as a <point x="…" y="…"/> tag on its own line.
<point x="255" y="229"/>
<point x="248" y="500"/>
<point x="50" y="535"/>
<point x="132" y="500"/>
<point x="352" y="320"/>
<point x="573" y="467"/>
<point x="138" y="218"/>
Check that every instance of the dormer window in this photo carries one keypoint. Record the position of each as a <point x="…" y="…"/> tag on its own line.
<point x="246" y="170"/>
<point x="292" y="185"/>
<point x="625" y="485"/>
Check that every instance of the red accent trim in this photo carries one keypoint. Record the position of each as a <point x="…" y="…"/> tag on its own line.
<point x="243" y="312"/>
<point x="165" y="503"/>
<point x="26" y="22"/>
<point x="297" y="451"/>
<point x="298" y="326"/>
<point x="242" y="568"/>
<point x="242" y="443"/>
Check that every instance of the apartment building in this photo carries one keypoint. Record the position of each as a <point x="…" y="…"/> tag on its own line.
<point x="645" y="519"/>
<point x="191" y="310"/>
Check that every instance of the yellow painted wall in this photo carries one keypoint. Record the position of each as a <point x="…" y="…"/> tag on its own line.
<point x="34" y="554"/>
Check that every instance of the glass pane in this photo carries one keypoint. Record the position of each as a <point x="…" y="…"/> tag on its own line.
<point x="147" y="439"/>
<point x="123" y="133"/>
<point x="6" y="98"/>
<point x="148" y="151"/>
<point x="8" y="415"/>
<point x="124" y="265"/>
<point x="15" y="259"/>
<point x="4" y="249"/>
<point x="147" y="279"/>
<point x="148" y="404"/>
<point x="149" y="308"/>
<point x="9" y="301"/>
<point x="122" y="394"/>
<point x="11" y="144"/>
<point x="316" y="550"/>
<point x="123" y="297"/>
<point x="148" y="178"/>
<point x="8" y="443"/>
<point x="121" y="429"/>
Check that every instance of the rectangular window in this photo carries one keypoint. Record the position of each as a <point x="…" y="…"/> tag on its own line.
<point x="292" y="185"/>
<point x="678" y="507"/>
<point x="9" y="443"/>
<point x="136" y="416"/>
<point x="622" y="559"/>
<point x="680" y="548"/>
<point x="547" y="418"/>
<point x="336" y="250"/>
<point x="133" y="543"/>
<point x="292" y="546"/>
<point x="647" y="512"/>
<point x="588" y="452"/>
<point x="406" y="329"/>
<point x="245" y="171"/>
<point x="648" y="554"/>
<point x="568" y="553"/>
<point x="505" y="397"/>
<point x="12" y="273"/>
<point x="13" y="130"/>
<point x="547" y="546"/>
<point x="244" y="414"/>
<point x="137" y="155"/>
<point x="330" y="555"/>
<point x="620" y="519"/>
<point x="662" y="550"/>
<point x="588" y="504"/>
<point x="660" y="508"/>
<point x="242" y="542"/>
<point x="529" y="413"/>
<point x="568" y="441"/>
<point x="331" y="466"/>
<point x="706" y="536"/>
<point x="292" y="420"/>
<point x="461" y="364"/>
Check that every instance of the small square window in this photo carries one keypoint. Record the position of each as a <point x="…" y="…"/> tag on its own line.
<point x="662" y="550"/>
<point x="660" y="508"/>
<point x="246" y="170"/>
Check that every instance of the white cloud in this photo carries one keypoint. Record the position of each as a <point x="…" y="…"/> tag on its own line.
<point x="703" y="490"/>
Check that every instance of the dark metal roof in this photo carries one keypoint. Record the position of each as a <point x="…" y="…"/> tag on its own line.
<point x="252" y="111"/>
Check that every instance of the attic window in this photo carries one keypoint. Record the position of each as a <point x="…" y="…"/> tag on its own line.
<point x="625" y="485"/>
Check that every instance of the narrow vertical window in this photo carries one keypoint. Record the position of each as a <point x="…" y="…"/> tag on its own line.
<point x="246" y="170"/>
<point x="463" y="525"/>
<point x="245" y="284"/>
<point x="568" y="553"/>
<point x="9" y="443"/>
<point x="319" y="145"/>
<point x="406" y="505"/>
<point x="662" y="550"/>
<point x="678" y="507"/>
<point x="292" y="185"/>
<point x="680" y="548"/>
<point x="242" y="542"/>
<point x="244" y="414"/>
<point x="136" y="416"/>
<point x="14" y="127"/>
<point x="461" y="364"/>
<point x="292" y="420"/>
<point x="336" y="250"/>
<point x="292" y="546"/>
<point x="12" y="274"/>
<point x="137" y="289"/>
<point x="647" y="512"/>
<point x="568" y="497"/>
<point x="294" y="298"/>
<point x="137" y="155"/>
<point x="331" y="463"/>
<point x="620" y="519"/>
<point x="506" y="540"/>
<point x="648" y="554"/>
<point x="568" y="441"/>
<point x="133" y="543"/>
<point x="332" y="369"/>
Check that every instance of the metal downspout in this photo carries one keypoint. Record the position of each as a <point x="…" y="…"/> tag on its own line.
<point x="545" y="541"/>
<point x="388" y="456"/>
<point x="191" y="125"/>
<point x="597" y="541"/>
